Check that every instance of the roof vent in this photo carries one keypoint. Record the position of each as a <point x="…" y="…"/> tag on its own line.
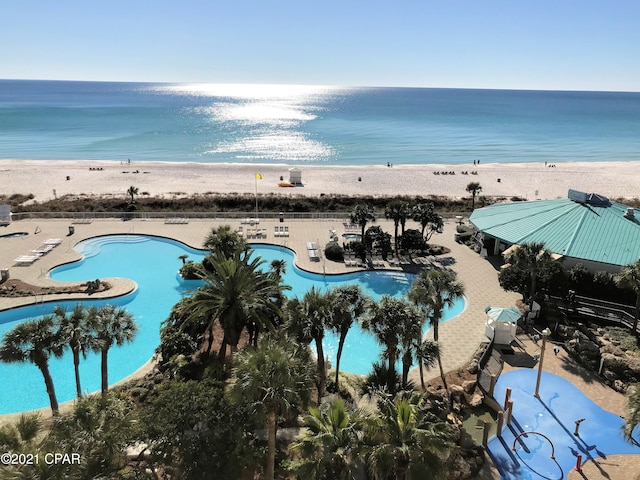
<point x="629" y="214"/>
<point x="577" y="196"/>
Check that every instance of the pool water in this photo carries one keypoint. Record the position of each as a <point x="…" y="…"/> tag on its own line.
<point x="153" y="262"/>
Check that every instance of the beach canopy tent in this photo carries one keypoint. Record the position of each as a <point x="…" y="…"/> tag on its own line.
<point x="502" y="324"/>
<point x="295" y="176"/>
<point x="5" y="213"/>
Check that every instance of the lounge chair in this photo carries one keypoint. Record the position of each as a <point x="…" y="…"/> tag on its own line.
<point x="286" y="231"/>
<point x="26" y="259"/>
<point x="52" y="241"/>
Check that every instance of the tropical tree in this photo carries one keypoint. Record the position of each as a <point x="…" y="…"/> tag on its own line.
<point x="386" y="321"/>
<point x="236" y="292"/>
<point x="225" y="241"/>
<point x="406" y="442"/>
<point x="433" y="291"/>
<point x="349" y="307"/>
<point x="528" y="262"/>
<point x="328" y="448"/>
<point x="110" y="325"/>
<point x="426" y="216"/>
<point x="632" y="419"/>
<point x="307" y="320"/>
<point x="183" y="257"/>
<point x="398" y="211"/>
<point x="275" y="379"/>
<point x="34" y="341"/>
<point x="474" y="189"/>
<point x="629" y="277"/>
<point x="361" y="215"/>
<point x="410" y="336"/>
<point x="427" y="353"/>
<point x="132" y="192"/>
<point x="76" y="333"/>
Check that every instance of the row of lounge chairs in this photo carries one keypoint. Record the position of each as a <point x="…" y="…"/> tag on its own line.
<point x="281" y="231"/>
<point x="174" y="220"/>
<point x="351" y="227"/>
<point x="249" y="221"/>
<point x="44" y="248"/>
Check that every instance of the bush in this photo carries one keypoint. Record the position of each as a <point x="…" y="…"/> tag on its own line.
<point x="333" y="251"/>
<point x="189" y="271"/>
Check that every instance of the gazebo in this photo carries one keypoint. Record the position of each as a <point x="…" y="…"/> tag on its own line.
<point x="502" y="324"/>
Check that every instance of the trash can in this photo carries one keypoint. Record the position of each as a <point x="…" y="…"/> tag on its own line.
<point x="72" y="229"/>
<point x="281" y="217"/>
<point x="4" y="275"/>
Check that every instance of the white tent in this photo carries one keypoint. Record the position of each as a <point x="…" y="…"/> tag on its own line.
<point x="502" y="324"/>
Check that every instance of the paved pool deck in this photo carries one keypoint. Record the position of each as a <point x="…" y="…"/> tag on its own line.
<point x="460" y="337"/>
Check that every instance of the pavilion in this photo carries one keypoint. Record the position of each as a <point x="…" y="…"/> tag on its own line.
<point x="584" y="228"/>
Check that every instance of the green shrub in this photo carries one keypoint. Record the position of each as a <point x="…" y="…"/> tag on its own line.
<point x="189" y="271"/>
<point x="333" y="251"/>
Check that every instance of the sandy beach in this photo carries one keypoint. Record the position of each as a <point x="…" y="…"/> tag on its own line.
<point x="46" y="179"/>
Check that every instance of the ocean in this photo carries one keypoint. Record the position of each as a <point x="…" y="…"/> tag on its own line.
<point x="312" y="125"/>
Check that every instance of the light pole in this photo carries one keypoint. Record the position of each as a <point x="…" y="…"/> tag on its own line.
<point x="545" y="334"/>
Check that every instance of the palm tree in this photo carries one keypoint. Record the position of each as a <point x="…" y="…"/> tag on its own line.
<point x="75" y="332"/>
<point x="236" y="293"/>
<point x="183" y="257"/>
<point x="410" y="335"/>
<point x="406" y="442"/>
<point x="275" y="379"/>
<point x="398" y="211"/>
<point x="224" y="241"/>
<point x="426" y="216"/>
<point x="530" y="257"/>
<point x="328" y="449"/>
<point x="34" y="341"/>
<point x="132" y="192"/>
<point x="427" y="354"/>
<point x="351" y="304"/>
<point x="433" y="291"/>
<point x="362" y="214"/>
<point x="632" y="419"/>
<point x="111" y="325"/>
<point x="629" y="277"/>
<point x="386" y="322"/>
<point x="308" y="320"/>
<point x="474" y="189"/>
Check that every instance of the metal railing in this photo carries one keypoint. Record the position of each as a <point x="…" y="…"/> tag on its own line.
<point x="599" y="310"/>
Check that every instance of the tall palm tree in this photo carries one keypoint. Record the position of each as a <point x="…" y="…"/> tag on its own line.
<point x="632" y="419"/>
<point x="236" y="292"/>
<point x="398" y="211"/>
<point x="386" y="322"/>
<point x="132" y="192"/>
<point x="425" y="214"/>
<point x="74" y="332"/>
<point x="474" y="189"/>
<point x="629" y="277"/>
<point x="410" y="335"/>
<point x="361" y="215"/>
<point x="308" y="320"/>
<point x="111" y="325"/>
<point x="351" y="305"/>
<point x="328" y="449"/>
<point x="433" y="291"/>
<point x="34" y="341"/>
<point x="406" y="442"/>
<point x="275" y="378"/>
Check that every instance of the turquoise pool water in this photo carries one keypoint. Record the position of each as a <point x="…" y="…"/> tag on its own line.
<point x="152" y="262"/>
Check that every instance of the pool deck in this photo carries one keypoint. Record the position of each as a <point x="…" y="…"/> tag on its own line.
<point x="459" y="336"/>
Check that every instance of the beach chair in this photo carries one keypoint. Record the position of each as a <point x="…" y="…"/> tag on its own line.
<point x="26" y="259"/>
<point x="286" y="231"/>
<point x="276" y="231"/>
<point x="53" y="241"/>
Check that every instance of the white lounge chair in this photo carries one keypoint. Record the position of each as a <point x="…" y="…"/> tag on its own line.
<point x="26" y="259"/>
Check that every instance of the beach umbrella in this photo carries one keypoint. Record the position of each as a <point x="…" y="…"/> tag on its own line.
<point x="510" y="314"/>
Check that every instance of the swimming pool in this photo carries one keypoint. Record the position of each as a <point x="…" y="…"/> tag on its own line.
<point x="152" y="262"/>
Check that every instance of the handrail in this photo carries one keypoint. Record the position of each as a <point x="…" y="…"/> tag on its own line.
<point x="594" y="308"/>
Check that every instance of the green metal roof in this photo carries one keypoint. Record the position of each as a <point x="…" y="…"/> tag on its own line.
<point x="589" y="227"/>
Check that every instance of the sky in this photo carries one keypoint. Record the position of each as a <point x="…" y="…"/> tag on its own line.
<point x="515" y="44"/>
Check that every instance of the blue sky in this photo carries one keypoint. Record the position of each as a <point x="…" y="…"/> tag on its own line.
<point x="527" y="44"/>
